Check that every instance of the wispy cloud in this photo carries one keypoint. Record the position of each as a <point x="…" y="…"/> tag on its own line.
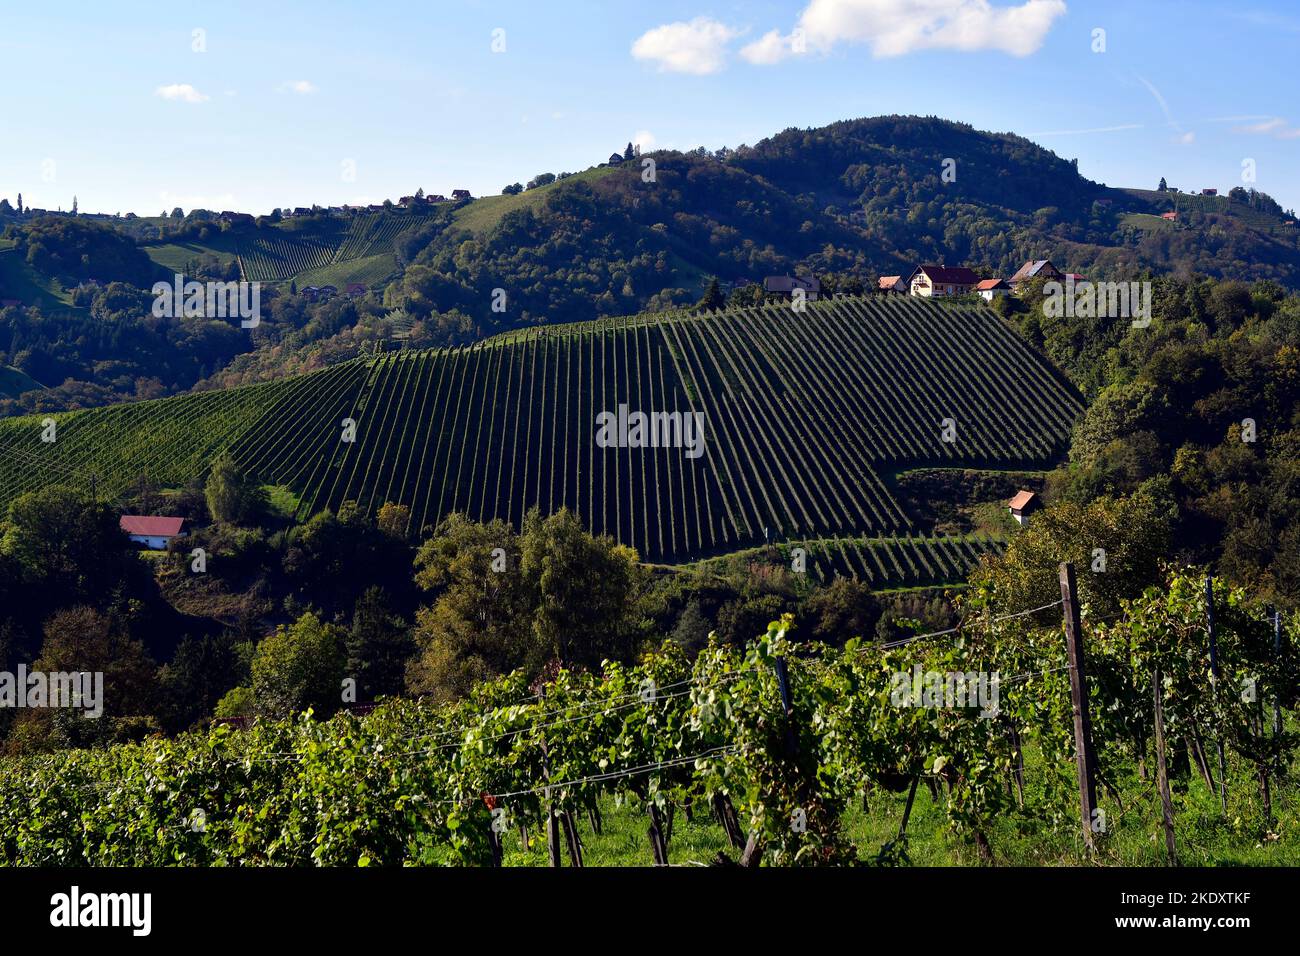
<point x="1184" y="137"/>
<point x="1274" y="126"/>
<point x="698" y="46"/>
<point x="180" y="93"/>
<point x="301" y="87"/>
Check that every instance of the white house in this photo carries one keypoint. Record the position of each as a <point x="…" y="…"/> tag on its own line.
<point x="989" y="289"/>
<point x="152" y="531"/>
<point x="1023" y="505"/>
<point x="941" y="281"/>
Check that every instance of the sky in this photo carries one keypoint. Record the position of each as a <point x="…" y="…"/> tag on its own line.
<point x="143" y="106"/>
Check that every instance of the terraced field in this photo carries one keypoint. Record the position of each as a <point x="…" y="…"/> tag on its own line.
<point x="802" y="415"/>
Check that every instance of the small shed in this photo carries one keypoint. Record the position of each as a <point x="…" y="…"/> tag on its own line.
<point x="152" y="531"/>
<point x="1023" y="505"/>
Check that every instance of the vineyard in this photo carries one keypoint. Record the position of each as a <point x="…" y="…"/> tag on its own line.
<point x="777" y="743"/>
<point x="883" y="562"/>
<point x="803" y="414"/>
<point x="282" y="252"/>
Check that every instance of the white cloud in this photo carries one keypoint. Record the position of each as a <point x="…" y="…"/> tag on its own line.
<point x="898" y="27"/>
<point x="180" y="92"/>
<point x="1186" y="139"/>
<point x="698" y="47"/>
<point x="301" y="87"/>
<point x="770" y="48"/>
<point x="644" y="139"/>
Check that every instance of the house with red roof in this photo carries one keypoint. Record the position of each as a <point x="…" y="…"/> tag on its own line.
<point x="152" y="531"/>
<point x="989" y="289"/>
<point x="941" y="281"/>
<point x="1023" y="505"/>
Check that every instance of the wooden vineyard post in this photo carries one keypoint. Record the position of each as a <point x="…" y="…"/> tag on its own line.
<point x="1277" y="657"/>
<point x="1162" y="770"/>
<point x="1084" y="757"/>
<point x="1214" y="683"/>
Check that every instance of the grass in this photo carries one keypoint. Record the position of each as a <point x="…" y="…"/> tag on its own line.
<point x="1134" y="836"/>
<point x="20" y="281"/>
<point x="14" y="382"/>
<point x="370" y="270"/>
<point x="282" y="500"/>
<point x="482" y="215"/>
<point x="1145" y="222"/>
<point x="173" y="256"/>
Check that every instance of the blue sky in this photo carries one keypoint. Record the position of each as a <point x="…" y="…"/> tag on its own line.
<point x="331" y="102"/>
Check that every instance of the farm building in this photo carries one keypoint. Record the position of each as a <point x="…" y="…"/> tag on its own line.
<point x="458" y="194"/>
<point x="893" y="284"/>
<point x="785" y="286"/>
<point x="989" y="289"/>
<point x="941" y="281"/>
<point x="1023" y="505"/>
<point x="1209" y="192"/>
<point x="152" y="531"/>
<point x="1170" y="216"/>
<point x="1035" y="269"/>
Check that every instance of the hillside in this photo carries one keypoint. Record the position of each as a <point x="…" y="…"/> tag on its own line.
<point x="806" y="418"/>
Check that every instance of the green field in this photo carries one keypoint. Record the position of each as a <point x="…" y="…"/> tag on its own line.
<point x="14" y="382"/>
<point x="802" y="415"/>
<point x="482" y="215"/>
<point x="328" y="250"/>
<point x="19" y="281"/>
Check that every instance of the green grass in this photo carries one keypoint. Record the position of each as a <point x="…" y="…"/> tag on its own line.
<point x="282" y="500"/>
<point x="1145" y="222"/>
<point x="173" y="256"/>
<point x="483" y="215"/>
<point x="370" y="270"/>
<point x="20" y="281"/>
<point x="14" y="382"/>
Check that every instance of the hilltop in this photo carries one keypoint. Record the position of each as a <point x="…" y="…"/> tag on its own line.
<point x="847" y="202"/>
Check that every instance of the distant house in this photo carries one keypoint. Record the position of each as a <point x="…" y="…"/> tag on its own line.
<point x="785" y="286"/>
<point x="301" y="211"/>
<point x="616" y="159"/>
<point x="934" y="282"/>
<point x="327" y="291"/>
<point x="1023" y="505"/>
<point x="990" y="289"/>
<point x="375" y="208"/>
<point x="1209" y="192"/>
<point x="893" y="284"/>
<point x="436" y="197"/>
<point x="457" y="194"/>
<point x="152" y="531"/>
<point x="356" y="289"/>
<point x="1075" y="277"/>
<point x="1035" y="269"/>
<point x="1171" y="216"/>
<point x="311" y="293"/>
<point x="236" y="218"/>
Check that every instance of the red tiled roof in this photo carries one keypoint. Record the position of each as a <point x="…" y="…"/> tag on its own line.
<point x="888" y="282"/>
<point x="151" y="526"/>
<point x="1022" y="500"/>
<point x="986" y="284"/>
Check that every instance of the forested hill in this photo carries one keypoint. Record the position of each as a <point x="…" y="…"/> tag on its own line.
<point x="847" y="202"/>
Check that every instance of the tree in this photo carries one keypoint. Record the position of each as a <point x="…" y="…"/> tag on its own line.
<point x="20" y="204"/>
<point x="479" y="624"/>
<point x="74" y="205"/>
<point x="419" y="193"/>
<point x="541" y="179"/>
<point x="1164" y="186"/>
<point x="713" y="298"/>
<point x="629" y="154"/>
<point x="233" y="497"/>
<point x="513" y="190"/>
<point x="5" y="208"/>
<point x="199" y="675"/>
<point x="178" y="213"/>
<point x="584" y="589"/>
<point x="300" y="666"/>
<point x="379" y="646"/>
<point x="71" y="548"/>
